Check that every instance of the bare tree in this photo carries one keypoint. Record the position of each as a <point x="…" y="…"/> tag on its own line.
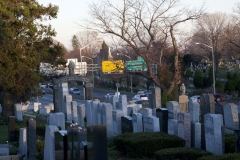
<point x="141" y="23"/>
<point x="211" y="30"/>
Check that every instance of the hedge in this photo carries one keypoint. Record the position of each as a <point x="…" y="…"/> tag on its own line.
<point x="145" y="143"/>
<point x="229" y="156"/>
<point x="180" y="153"/>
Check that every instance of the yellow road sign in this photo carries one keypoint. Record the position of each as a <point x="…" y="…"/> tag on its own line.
<point x="113" y="66"/>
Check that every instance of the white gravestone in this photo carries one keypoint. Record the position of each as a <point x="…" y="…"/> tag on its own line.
<point x="117" y="126"/>
<point x="196" y="135"/>
<point x="63" y="91"/>
<point x="49" y="143"/>
<point x="131" y="110"/>
<point x="151" y="124"/>
<point x="107" y="118"/>
<point x="213" y="133"/>
<point x="22" y="142"/>
<point x="60" y="120"/>
<point x="81" y="115"/>
<point x="173" y="105"/>
<point x="173" y="127"/>
<point x="230" y="112"/>
<point x="137" y="122"/>
<point x="68" y="111"/>
<point x="194" y="110"/>
<point x="184" y="127"/>
<point x="146" y="112"/>
<point x="122" y="104"/>
<point x="74" y="111"/>
<point x="35" y="106"/>
<point x="114" y="101"/>
<point x="172" y="114"/>
<point x="18" y="111"/>
<point x="94" y="112"/>
<point x="4" y="151"/>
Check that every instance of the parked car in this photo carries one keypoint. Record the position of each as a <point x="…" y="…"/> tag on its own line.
<point x="42" y="90"/>
<point x="218" y="98"/>
<point x="140" y="92"/>
<point x="109" y="95"/>
<point x="136" y="97"/>
<point x="42" y="85"/>
<point x="71" y="90"/>
<point x="50" y="85"/>
<point x="76" y="91"/>
<point x="195" y="98"/>
<point x="141" y="101"/>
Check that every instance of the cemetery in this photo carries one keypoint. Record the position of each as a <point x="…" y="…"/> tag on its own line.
<point x="119" y="128"/>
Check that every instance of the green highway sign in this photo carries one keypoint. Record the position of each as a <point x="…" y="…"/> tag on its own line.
<point x="136" y="65"/>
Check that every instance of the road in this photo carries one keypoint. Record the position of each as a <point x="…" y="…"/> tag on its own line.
<point x="98" y="93"/>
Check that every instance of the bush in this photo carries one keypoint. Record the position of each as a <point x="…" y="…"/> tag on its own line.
<point x="230" y="156"/>
<point x="145" y="143"/>
<point x="229" y="143"/>
<point x="13" y="150"/>
<point x="180" y="153"/>
<point x="188" y="74"/>
<point x="3" y="121"/>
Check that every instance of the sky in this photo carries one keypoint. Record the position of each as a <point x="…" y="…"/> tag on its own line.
<point x="72" y="11"/>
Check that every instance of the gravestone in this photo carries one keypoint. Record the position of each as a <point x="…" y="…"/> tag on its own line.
<point x="219" y="107"/>
<point x="230" y="115"/>
<point x="31" y="139"/>
<point x="81" y="115"/>
<point x="146" y="112"/>
<point x="196" y="134"/>
<point x="88" y="112"/>
<point x="155" y="98"/>
<point x="162" y="115"/>
<point x="11" y="129"/>
<point x="122" y="104"/>
<point x="172" y="114"/>
<point x="151" y="124"/>
<point x="68" y="110"/>
<point x="49" y="146"/>
<point x="62" y="92"/>
<point x="213" y="133"/>
<point x="8" y="101"/>
<point x="127" y="125"/>
<point x="173" y="127"/>
<point x="211" y="103"/>
<point x="173" y="105"/>
<point x="51" y="105"/>
<point x="203" y="140"/>
<point x="99" y="113"/>
<point x="117" y="126"/>
<point x="74" y="141"/>
<point x="94" y="111"/>
<point x="18" y="111"/>
<point x="61" y="145"/>
<point x="107" y="118"/>
<point x="74" y="111"/>
<point x="194" y="110"/>
<point x="22" y="142"/>
<point x="60" y="120"/>
<point x="137" y="122"/>
<point x="184" y="127"/>
<point x="97" y="137"/>
<point x="131" y="110"/>
<point x="114" y="100"/>
<point x="183" y="103"/>
<point x="35" y="106"/>
<point x="4" y="150"/>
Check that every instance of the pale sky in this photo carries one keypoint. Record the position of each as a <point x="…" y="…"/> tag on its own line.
<point x="72" y="11"/>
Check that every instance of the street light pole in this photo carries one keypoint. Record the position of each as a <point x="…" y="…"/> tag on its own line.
<point x="214" y="91"/>
<point x="92" y="67"/>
